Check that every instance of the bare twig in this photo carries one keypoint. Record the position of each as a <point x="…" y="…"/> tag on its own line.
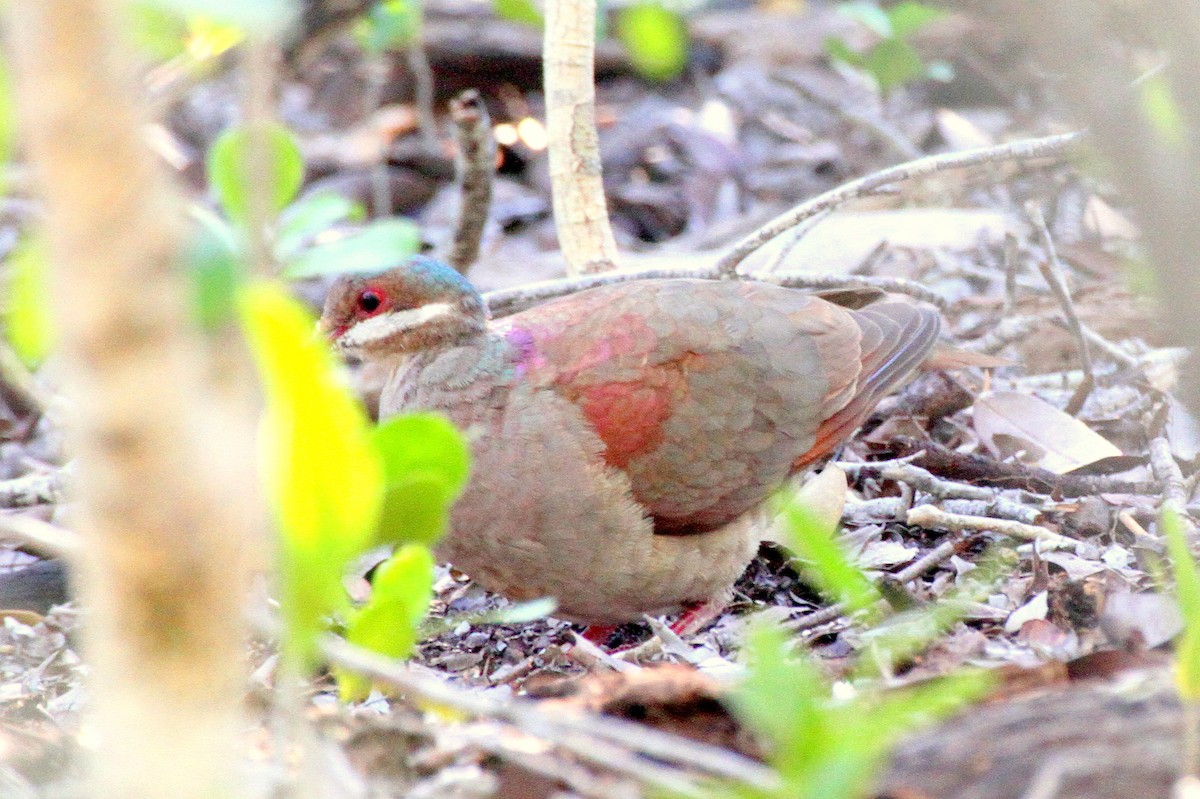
<point x="418" y="64"/>
<point x="980" y="470"/>
<point x="931" y="517"/>
<point x="1169" y="476"/>
<point x="378" y="67"/>
<point x="589" y="737"/>
<point x="41" y="537"/>
<point x="1024" y="150"/>
<point x="1012" y="264"/>
<point x="580" y="210"/>
<point x="476" y="164"/>
<point x="509" y="301"/>
<point x="918" y="478"/>
<point x="1052" y="271"/>
<point x="47" y="488"/>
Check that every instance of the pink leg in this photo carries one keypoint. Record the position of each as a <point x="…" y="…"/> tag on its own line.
<point x="697" y="615"/>
<point x="598" y="634"/>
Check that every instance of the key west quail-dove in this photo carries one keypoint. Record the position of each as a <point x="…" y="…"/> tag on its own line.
<point x="622" y="436"/>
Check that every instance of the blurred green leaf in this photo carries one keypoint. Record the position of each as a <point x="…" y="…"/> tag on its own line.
<point x="379" y="245"/>
<point x="656" y="38"/>
<point x="216" y="268"/>
<point x="30" y="328"/>
<point x="840" y="51"/>
<point x="426" y="464"/>
<point x="389" y="25"/>
<point x="1159" y="106"/>
<point x="869" y="14"/>
<point x="815" y="543"/>
<point x="1187" y="592"/>
<point x="894" y="62"/>
<point x="263" y="17"/>
<point x="909" y="17"/>
<point x="388" y="623"/>
<point x="324" y="478"/>
<point x="233" y="177"/>
<point x="780" y="697"/>
<point x="310" y="216"/>
<point x="157" y="30"/>
<point x="523" y="11"/>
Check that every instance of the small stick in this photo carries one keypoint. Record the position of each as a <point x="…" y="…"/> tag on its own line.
<point x="1018" y="151"/>
<point x="1170" y="476"/>
<point x="418" y="64"/>
<point x="1011" y="265"/>
<point x="46" y="488"/>
<point x="476" y="165"/>
<point x="1052" y="271"/>
<point x="40" y="537"/>
<point x="510" y="301"/>
<point x="577" y="734"/>
<point x="930" y="560"/>
<point x="920" y="479"/>
<point x="930" y="517"/>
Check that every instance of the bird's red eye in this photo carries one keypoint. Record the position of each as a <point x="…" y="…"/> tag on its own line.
<point x="369" y="301"/>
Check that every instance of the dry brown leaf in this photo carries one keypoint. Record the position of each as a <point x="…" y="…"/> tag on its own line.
<point x="1008" y="421"/>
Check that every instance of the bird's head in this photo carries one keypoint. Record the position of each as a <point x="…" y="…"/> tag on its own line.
<point x="420" y="305"/>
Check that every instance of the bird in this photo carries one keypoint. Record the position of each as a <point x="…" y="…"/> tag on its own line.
<point x="624" y="437"/>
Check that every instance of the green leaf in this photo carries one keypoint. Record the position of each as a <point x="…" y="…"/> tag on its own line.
<point x="781" y="697"/>
<point x="838" y="50"/>
<point x="311" y="216"/>
<point x="388" y="624"/>
<point x="1187" y="592"/>
<point x="1159" y="106"/>
<point x="264" y="17"/>
<point x="835" y="575"/>
<point x="389" y="25"/>
<point x="909" y="17"/>
<point x="656" y="39"/>
<point x="523" y="11"/>
<point x="893" y="63"/>
<point x="233" y="176"/>
<point x="324" y="478"/>
<point x="426" y="465"/>
<point x="216" y="269"/>
<point x="30" y="328"/>
<point x="378" y="246"/>
<point x="869" y="14"/>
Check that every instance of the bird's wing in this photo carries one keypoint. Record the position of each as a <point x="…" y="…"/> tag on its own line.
<point x="708" y="394"/>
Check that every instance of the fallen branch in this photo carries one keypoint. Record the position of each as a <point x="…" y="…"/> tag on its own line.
<point x="1018" y="151"/>
<point x="934" y="518"/>
<point x="47" y="488"/>
<point x="1052" y="271"/>
<point x="978" y="470"/>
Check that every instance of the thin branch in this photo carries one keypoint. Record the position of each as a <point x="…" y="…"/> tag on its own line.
<point x="40" y="537"/>
<point x="580" y="210"/>
<point x="47" y="488"/>
<point x="1052" y="271"/>
<point x="589" y="737"/>
<point x="506" y="302"/>
<point x="1019" y="151"/>
<point x="931" y="517"/>
<point x="476" y="166"/>
<point x="1169" y="476"/>
<point x="418" y="64"/>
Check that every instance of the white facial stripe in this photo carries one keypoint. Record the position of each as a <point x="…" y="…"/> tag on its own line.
<point x="378" y="328"/>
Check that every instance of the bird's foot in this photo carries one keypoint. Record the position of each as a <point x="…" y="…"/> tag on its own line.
<point x="598" y="634"/>
<point x="696" y="616"/>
